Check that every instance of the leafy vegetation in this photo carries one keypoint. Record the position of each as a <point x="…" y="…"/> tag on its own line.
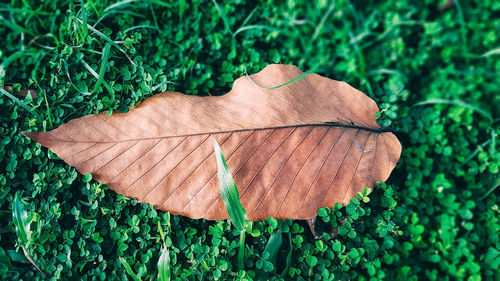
<point x="435" y="71"/>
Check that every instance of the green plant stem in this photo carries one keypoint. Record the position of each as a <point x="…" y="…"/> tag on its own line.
<point x="241" y="251"/>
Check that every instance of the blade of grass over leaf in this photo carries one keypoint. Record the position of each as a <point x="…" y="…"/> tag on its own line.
<point x="282" y="85"/>
<point x="459" y="103"/>
<point x="229" y="191"/>
<point x="231" y="197"/>
<point x="16" y="100"/>
<point x="20" y="218"/>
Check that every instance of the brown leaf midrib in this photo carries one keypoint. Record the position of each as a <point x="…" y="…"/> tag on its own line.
<point x="327" y="124"/>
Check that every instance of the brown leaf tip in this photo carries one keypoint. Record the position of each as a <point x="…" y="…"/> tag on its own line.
<point x="31" y="135"/>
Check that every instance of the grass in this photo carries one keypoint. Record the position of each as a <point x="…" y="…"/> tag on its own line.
<point x="436" y="218"/>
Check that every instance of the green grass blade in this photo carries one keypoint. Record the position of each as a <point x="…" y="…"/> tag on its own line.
<point x="104" y="63"/>
<point x="182" y="8"/>
<point x="129" y="270"/>
<point x="272" y="247"/>
<point x="224" y="17"/>
<point x="48" y="108"/>
<point x="241" y="250"/>
<point x="288" y="257"/>
<point x="229" y="191"/>
<point x="118" y="5"/>
<point x="491" y="53"/>
<point x="247" y="19"/>
<point x="282" y="85"/>
<point x="113" y="43"/>
<point x="319" y="27"/>
<point x="14" y="26"/>
<point x="257" y="26"/>
<point x="90" y="69"/>
<point x="164" y="266"/>
<point x="496" y="184"/>
<point x="141" y="26"/>
<point x="459" y="103"/>
<point x="20" y="218"/>
<point x="85" y="32"/>
<point x="16" y="100"/>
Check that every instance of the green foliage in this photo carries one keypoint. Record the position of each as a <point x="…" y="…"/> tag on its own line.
<point x="437" y="218"/>
<point x="21" y="221"/>
<point x="4" y="263"/>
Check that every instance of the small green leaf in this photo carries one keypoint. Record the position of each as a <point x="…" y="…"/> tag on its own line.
<point x="311" y="261"/>
<point x="20" y="218"/>
<point x="229" y="191"/>
<point x="337" y="246"/>
<point x="87" y="177"/>
<point x="16" y="256"/>
<point x="322" y="212"/>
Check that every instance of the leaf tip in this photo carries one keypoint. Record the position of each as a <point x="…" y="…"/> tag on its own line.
<point x="31" y="135"/>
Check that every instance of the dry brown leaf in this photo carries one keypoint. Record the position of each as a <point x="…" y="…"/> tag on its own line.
<point x="23" y="93"/>
<point x="286" y="160"/>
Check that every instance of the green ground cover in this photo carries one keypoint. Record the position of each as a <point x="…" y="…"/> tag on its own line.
<point x="434" y="71"/>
